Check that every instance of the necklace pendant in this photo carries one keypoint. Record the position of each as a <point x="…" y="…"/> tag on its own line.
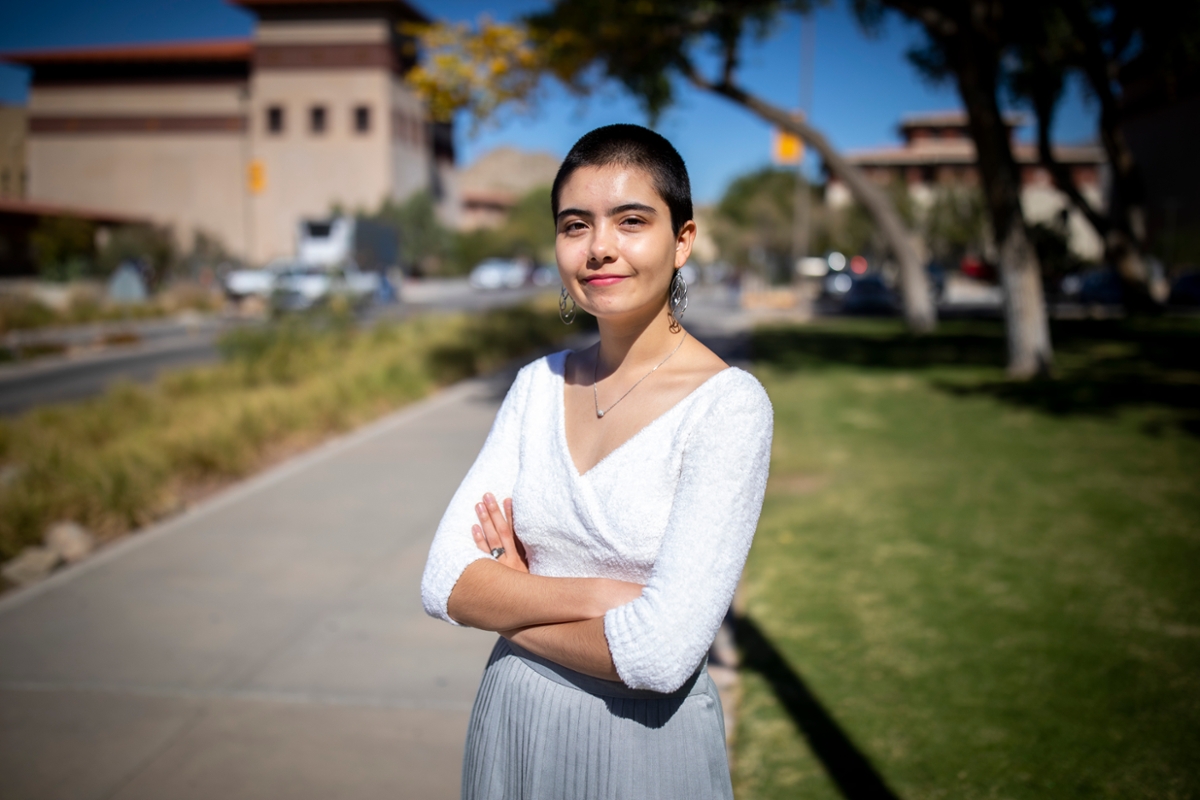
<point x="596" y="366"/>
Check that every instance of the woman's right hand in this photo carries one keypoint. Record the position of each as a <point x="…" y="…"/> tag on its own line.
<point x="496" y="530"/>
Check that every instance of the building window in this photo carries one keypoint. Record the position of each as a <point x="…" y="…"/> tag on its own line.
<point x="275" y="119"/>
<point x="316" y="119"/>
<point x="362" y="119"/>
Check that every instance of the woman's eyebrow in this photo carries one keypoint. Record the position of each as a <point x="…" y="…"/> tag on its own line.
<point x="566" y="212"/>
<point x="621" y="209"/>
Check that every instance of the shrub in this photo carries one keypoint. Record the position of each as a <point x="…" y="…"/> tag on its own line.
<point x="23" y="312"/>
<point x="120" y="460"/>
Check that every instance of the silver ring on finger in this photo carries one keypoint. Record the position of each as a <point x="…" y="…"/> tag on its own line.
<point x="497" y="552"/>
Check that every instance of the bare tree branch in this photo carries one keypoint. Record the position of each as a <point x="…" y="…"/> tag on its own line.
<point x="731" y="60"/>
<point x="1043" y="105"/>
<point x="1097" y="67"/>
<point x="914" y="283"/>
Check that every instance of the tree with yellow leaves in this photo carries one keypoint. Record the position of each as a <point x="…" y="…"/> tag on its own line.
<point x="475" y="70"/>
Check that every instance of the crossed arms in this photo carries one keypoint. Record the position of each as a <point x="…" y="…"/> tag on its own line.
<point x="652" y="637"/>
<point x="561" y="619"/>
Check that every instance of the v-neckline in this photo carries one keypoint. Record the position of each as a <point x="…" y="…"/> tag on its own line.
<point x="562" y="418"/>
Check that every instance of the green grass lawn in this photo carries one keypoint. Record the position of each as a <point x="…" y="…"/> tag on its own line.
<point x="963" y="587"/>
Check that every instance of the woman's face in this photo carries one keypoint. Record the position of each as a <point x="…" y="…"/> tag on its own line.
<point x="615" y="248"/>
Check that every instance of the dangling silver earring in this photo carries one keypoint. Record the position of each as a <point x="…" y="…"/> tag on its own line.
<point x="566" y="316"/>
<point x="678" y="299"/>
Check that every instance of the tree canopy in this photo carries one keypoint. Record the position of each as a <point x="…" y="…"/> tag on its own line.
<point x="1120" y="50"/>
<point x="647" y="46"/>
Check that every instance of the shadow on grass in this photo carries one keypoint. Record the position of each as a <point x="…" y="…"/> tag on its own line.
<point x="1102" y="366"/>
<point x="1105" y="366"/>
<point x="880" y="344"/>
<point x="854" y="775"/>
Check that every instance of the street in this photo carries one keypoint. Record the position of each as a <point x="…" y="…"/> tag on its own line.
<point x="172" y="344"/>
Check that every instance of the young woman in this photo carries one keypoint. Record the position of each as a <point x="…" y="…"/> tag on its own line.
<point x="602" y="529"/>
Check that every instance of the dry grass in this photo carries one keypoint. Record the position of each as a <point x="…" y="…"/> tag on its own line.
<point x="87" y="304"/>
<point x="121" y="460"/>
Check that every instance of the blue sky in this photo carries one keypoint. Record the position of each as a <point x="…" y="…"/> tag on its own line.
<point x="861" y="85"/>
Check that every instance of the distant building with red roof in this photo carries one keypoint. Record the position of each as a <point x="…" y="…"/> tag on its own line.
<point x="938" y="153"/>
<point x="239" y="139"/>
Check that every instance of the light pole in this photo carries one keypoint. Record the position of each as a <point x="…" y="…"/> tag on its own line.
<point x="246" y="178"/>
<point x="801" y="222"/>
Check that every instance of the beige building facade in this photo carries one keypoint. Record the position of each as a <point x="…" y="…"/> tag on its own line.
<point x="242" y="139"/>
<point x="13" y="121"/>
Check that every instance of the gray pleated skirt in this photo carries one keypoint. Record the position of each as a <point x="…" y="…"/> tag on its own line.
<point x="541" y="731"/>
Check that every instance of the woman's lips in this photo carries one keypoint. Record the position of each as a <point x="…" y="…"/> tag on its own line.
<point x="605" y="280"/>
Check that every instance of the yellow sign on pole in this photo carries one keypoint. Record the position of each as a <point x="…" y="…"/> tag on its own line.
<point x="786" y="148"/>
<point x="256" y="176"/>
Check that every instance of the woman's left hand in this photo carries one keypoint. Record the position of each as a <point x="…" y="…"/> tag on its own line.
<point x="495" y="531"/>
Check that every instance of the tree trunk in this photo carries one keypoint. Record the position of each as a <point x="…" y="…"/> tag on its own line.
<point x="1029" y="352"/>
<point x="1120" y="249"/>
<point x="975" y="64"/>
<point x="1125" y="241"/>
<point x="919" y="310"/>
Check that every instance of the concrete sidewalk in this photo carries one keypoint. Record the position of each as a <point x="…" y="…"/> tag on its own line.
<point x="270" y="644"/>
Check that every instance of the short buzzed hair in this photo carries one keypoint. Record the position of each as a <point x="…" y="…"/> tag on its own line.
<point x="635" y="146"/>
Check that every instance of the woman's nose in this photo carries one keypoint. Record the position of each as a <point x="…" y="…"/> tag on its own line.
<point x="602" y="247"/>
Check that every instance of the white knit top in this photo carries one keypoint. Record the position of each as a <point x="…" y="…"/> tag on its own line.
<point x="674" y="508"/>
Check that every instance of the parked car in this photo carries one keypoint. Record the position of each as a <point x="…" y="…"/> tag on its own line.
<point x="545" y="276"/>
<point x="937" y="279"/>
<point x="691" y="275"/>
<point x="869" y="295"/>
<point x="1100" y="287"/>
<point x="837" y="284"/>
<point x="977" y="268"/>
<point x="1186" y="290"/>
<point x="500" y="273"/>
<point x="306" y="287"/>
<point x="244" y="283"/>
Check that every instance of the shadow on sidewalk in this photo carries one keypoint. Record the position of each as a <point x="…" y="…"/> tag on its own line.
<point x="846" y="765"/>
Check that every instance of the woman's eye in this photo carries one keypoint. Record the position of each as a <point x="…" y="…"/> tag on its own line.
<point x="573" y="227"/>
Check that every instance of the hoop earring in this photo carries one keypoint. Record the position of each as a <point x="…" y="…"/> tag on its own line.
<point x="677" y="300"/>
<point x="566" y="316"/>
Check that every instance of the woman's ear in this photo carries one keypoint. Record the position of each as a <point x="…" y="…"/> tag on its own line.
<point x="683" y="243"/>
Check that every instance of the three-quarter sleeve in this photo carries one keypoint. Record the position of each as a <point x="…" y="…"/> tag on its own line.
<point x="495" y="470"/>
<point x="658" y="640"/>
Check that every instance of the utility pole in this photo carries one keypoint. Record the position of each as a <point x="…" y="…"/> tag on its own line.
<point x="249" y="177"/>
<point x="802" y="219"/>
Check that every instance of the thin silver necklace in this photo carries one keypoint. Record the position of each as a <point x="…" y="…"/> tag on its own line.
<point x="596" y="368"/>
